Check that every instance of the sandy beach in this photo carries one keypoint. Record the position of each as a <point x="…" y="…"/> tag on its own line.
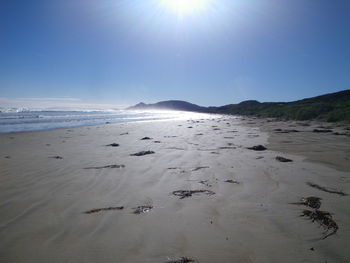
<point x="53" y="183"/>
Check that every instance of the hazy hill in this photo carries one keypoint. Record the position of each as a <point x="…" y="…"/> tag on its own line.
<point x="169" y="105"/>
<point x="329" y="107"/>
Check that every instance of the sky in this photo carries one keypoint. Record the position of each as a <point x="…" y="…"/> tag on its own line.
<point x="112" y="53"/>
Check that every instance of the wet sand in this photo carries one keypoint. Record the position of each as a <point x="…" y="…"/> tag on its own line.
<point x="65" y="196"/>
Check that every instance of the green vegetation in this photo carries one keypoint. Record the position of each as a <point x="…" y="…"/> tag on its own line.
<point x="330" y="107"/>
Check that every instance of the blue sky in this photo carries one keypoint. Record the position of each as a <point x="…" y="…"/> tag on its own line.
<point x="125" y="51"/>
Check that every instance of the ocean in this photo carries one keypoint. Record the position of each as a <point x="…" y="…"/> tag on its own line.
<point x="47" y="120"/>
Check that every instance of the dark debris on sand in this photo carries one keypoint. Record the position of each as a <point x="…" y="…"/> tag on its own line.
<point x="341" y="133"/>
<point x="104" y="209"/>
<point x="283" y="160"/>
<point x="56" y="157"/>
<point x="257" y="148"/>
<point x="227" y="147"/>
<point x="285" y="131"/>
<point x="325" y="220"/>
<point x="188" y="193"/>
<point x="142" y="153"/>
<point x="111" y="166"/>
<point x="181" y="260"/>
<point x="142" y="209"/>
<point x="146" y="138"/>
<point x="322" y="130"/>
<point x="199" y="168"/>
<point x="328" y="190"/>
<point x="231" y="181"/>
<point x="113" y="144"/>
<point x="311" y="201"/>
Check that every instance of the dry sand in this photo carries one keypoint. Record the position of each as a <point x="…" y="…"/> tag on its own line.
<point x="42" y="199"/>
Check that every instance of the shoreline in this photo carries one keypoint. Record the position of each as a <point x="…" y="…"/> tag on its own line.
<point x="173" y="115"/>
<point x="139" y="210"/>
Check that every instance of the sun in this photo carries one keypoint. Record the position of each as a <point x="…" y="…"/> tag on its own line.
<point x="185" y="7"/>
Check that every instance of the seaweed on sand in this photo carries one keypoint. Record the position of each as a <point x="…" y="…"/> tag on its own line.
<point x="181" y="260"/>
<point x="283" y="160"/>
<point x="199" y="168"/>
<point x="322" y="130"/>
<point x="142" y="209"/>
<point x="142" y="153"/>
<point x="285" y="131"/>
<point x="107" y="166"/>
<point x="311" y="201"/>
<point x="328" y="190"/>
<point x="231" y="181"/>
<point x="227" y="147"/>
<point x="188" y="193"/>
<point x="113" y="144"/>
<point x="56" y="157"/>
<point x="104" y="209"/>
<point x="325" y="220"/>
<point x="257" y="148"/>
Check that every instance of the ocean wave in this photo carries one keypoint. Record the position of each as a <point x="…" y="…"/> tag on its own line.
<point x="46" y="120"/>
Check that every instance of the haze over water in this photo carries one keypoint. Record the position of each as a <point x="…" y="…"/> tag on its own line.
<point x="47" y="120"/>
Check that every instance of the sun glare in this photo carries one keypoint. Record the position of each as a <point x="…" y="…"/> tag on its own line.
<point x="185" y="7"/>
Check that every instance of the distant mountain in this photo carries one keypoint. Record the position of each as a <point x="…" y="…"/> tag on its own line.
<point x="169" y="105"/>
<point x="329" y="107"/>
